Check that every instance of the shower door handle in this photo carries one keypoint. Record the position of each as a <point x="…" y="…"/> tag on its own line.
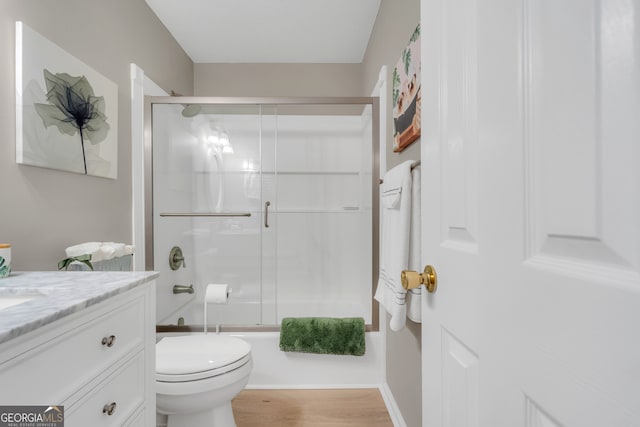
<point x="266" y="214"/>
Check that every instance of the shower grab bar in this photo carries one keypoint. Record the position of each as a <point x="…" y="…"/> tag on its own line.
<point x="208" y="214"/>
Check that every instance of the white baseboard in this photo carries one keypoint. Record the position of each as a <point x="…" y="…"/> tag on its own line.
<point x="308" y="386"/>
<point x="392" y="406"/>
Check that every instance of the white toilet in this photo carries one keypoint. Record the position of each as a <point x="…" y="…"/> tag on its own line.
<point x="198" y="375"/>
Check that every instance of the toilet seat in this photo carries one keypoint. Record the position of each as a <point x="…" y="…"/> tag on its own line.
<point x="196" y="357"/>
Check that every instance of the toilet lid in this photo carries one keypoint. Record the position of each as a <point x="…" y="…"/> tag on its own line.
<point x="199" y="356"/>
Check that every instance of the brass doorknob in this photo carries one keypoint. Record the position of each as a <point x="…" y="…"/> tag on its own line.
<point x="413" y="279"/>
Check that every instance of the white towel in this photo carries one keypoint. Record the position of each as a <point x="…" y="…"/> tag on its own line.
<point x="88" y="248"/>
<point x="414" y="306"/>
<point x="395" y="242"/>
<point x="100" y="251"/>
<point x="112" y="250"/>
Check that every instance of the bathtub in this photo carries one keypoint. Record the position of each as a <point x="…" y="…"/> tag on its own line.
<point x="246" y="311"/>
<point x="273" y="368"/>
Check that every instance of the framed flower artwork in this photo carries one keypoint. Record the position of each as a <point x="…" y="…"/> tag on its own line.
<point x="66" y="112"/>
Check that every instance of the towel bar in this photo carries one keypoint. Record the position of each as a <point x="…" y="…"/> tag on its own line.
<point x="190" y="214"/>
<point x="413" y="165"/>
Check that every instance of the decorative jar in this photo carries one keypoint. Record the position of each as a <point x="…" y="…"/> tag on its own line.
<point x="5" y="260"/>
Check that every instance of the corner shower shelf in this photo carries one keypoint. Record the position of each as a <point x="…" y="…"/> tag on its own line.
<point x="320" y="211"/>
<point x="242" y="172"/>
<point x="314" y="173"/>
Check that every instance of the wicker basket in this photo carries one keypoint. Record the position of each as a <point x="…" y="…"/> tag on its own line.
<point x="122" y="263"/>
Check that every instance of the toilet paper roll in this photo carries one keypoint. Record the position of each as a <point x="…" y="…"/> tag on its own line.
<point x="217" y="294"/>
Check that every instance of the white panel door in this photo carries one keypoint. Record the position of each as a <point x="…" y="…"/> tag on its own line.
<point x="531" y="212"/>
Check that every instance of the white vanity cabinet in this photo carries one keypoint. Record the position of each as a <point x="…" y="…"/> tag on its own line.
<point x="98" y="362"/>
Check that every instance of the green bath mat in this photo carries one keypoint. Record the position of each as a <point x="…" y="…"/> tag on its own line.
<point x="323" y="335"/>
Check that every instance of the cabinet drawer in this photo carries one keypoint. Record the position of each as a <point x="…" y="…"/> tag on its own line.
<point x="138" y="420"/>
<point x="123" y="392"/>
<point x="75" y="356"/>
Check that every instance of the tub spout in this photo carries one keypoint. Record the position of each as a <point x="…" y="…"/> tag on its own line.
<point x="179" y="289"/>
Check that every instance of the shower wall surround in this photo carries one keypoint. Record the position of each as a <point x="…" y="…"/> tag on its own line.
<point x="275" y="201"/>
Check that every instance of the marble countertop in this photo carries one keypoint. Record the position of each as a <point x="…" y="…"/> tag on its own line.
<point x="58" y="294"/>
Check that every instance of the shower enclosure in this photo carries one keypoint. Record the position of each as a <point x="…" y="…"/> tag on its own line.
<point x="275" y="197"/>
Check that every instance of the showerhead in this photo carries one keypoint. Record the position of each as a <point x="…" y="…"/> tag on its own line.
<point x="191" y="110"/>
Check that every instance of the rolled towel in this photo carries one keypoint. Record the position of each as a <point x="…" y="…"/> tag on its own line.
<point x="88" y="248"/>
<point x="323" y="335"/>
<point x="100" y="251"/>
<point x="112" y="250"/>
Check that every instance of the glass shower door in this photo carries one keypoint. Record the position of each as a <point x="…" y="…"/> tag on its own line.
<point x="208" y="201"/>
<point x="324" y="236"/>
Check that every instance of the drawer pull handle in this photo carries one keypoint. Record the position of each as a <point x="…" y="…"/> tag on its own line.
<point x="109" y="409"/>
<point x="108" y="341"/>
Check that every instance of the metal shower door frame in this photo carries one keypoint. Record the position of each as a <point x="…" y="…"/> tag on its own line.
<point x="150" y="101"/>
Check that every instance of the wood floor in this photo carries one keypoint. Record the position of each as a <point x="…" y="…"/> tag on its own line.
<point x="311" y="408"/>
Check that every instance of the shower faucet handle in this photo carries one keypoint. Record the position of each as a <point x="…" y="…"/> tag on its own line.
<point x="176" y="259"/>
<point x="179" y="259"/>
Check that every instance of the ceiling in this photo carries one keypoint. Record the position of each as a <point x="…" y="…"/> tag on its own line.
<point x="270" y="31"/>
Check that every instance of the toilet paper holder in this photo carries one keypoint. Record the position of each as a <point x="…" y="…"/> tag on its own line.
<point x="215" y="294"/>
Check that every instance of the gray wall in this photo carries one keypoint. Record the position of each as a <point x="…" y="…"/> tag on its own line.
<point x="43" y="211"/>
<point x="394" y="25"/>
<point x="267" y="80"/>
